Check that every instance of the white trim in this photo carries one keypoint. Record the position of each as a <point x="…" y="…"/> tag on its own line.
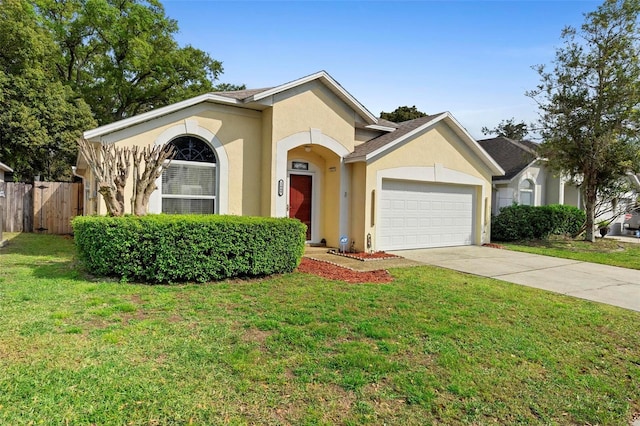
<point x="150" y="115"/>
<point x="191" y="127"/>
<point x="332" y="84"/>
<point x="5" y="168"/>
<point x="455" y="126"/>
<point x="283" y="146"/>
<point x="436" y="174"/>
<point x="531" y="190"/>
<point x="382" y="128"/>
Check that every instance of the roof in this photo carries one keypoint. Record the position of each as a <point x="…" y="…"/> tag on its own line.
<point x="257" y="99"/>
<point x="513" y="156"/>
<point x="242" y="94"/>
<point x="381" y="141"/>
<point x="5" y="168"/>
<point x="408" y="129"/>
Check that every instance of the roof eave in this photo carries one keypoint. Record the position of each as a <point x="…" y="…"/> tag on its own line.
<point x="356" y="159"/>
<point x="494" y="167"/>
<point x="329" y="82"/>
<point x="150" y="115"/>
<point x="374" y="154"/>
<point x="5" y="168"/>
<point x="382" y="128"/>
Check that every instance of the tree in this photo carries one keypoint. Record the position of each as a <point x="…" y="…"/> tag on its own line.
<point x="40" y="118"/>
<point x="111" y="165"/>
<point x="403" y="113"/>
<point x="121" y="56"/>
<point x="509" y="129"/>
<point x="154" y="160"/>
<point x="589" y="102"/>
<point x="229" y="87"/>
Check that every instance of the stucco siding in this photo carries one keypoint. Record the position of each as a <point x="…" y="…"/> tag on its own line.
<point x="436" y="149"/>
<point x="239" y="132"/>
<point x="313" y="106"/>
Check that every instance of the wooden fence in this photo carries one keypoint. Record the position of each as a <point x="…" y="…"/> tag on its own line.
<point x="44" y="207"/>
<point x="17" y="207"/>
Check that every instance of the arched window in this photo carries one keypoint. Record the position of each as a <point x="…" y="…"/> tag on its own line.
<point x="189" y="183"/>
<point x="527" y="188"/>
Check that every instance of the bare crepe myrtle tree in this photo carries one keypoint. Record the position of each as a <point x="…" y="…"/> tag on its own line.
<point x="148" y="164"/>
<point x="111" y="166"/>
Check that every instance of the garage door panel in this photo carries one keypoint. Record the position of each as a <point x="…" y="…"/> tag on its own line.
<point x="419" y="214"/>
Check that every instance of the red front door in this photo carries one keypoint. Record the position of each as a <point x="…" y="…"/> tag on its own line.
<point x="300" y="190"/>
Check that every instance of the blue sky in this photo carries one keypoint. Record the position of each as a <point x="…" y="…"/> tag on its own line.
<point x="472" y="58"/>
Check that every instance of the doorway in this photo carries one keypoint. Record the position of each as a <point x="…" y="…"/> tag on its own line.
<point x="300" y="195"/>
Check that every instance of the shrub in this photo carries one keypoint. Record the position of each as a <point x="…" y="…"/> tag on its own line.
<point x="528" y="223"/>
<point x="174" y="248"/>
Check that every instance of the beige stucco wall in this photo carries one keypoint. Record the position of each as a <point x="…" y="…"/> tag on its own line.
<point x="312" y="105"/>
<point x="267" y="162"/>
<point x="439" y="145"/>
<point x="307" y="110"/>
<point x="360" y="199"/>
<point x="240" y="133"/>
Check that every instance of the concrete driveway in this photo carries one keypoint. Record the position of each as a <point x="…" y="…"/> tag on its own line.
<point x="599" y="283"/>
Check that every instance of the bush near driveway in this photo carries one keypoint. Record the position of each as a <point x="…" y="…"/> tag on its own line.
<point x="516" y="222"/>
<point x="174" y="248"/>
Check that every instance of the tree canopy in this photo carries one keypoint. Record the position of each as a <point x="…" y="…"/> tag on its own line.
<point x="589" y="102"/>
<point x="509" y="129"/>
<point x="121" y="55"/>
<point x="67" y="66"/>
<point x="40" y="117"/>
<point x="402" y="113"/>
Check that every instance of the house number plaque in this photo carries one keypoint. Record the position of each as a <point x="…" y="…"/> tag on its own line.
<point x="299" y="165"/>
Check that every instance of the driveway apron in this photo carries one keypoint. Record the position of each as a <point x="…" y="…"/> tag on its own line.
<point x="599" y="283"/>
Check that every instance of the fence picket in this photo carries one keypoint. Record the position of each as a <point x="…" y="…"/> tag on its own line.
<point x="45" y="207"/>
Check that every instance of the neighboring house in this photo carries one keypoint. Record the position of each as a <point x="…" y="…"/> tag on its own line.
<point x="308" y="149"/>
<point x="527" y="180"/>
<point x="4" y="168"/>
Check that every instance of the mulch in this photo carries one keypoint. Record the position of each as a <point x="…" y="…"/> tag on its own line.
<point x="336" y="272"/>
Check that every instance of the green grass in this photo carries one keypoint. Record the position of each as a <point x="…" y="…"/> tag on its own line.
<point x="432" y="347"/>
<point x="606" y="251"/>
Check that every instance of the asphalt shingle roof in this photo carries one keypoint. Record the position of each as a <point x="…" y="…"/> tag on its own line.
<point x="382" y="140"/>
<point x="241" y="94"/>
<point x="513" y="156"/>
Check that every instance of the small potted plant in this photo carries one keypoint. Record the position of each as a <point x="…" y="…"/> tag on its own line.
<point x="603" y="227"/>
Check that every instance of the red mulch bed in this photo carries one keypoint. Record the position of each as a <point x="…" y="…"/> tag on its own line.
<point x="378" y="255"/>
<point x="492" y="245"/>
<point x="335" y="272"/>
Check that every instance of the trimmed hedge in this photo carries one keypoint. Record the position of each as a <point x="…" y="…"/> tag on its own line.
<point x="518" y="222"/>
<point x="176" y="248"/>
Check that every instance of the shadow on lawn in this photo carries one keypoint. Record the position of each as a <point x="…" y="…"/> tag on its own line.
<point x="54" y="256"/>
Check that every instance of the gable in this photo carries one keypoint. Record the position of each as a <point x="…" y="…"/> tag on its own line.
<point x="412" y="129"/>
<point x="438" y="144"/>
<point x="313" y="106"/>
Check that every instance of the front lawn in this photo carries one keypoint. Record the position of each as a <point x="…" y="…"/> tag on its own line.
<point x="607" y="251"/>
<point x="434" y="346"/>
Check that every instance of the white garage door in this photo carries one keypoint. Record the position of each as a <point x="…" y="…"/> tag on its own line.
<point x="419" y="215"/>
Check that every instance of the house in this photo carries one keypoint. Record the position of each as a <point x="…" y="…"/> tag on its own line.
<point x="308" y="149"/>
<point x="4" y="168"/>
<point x="527" y="180"/>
